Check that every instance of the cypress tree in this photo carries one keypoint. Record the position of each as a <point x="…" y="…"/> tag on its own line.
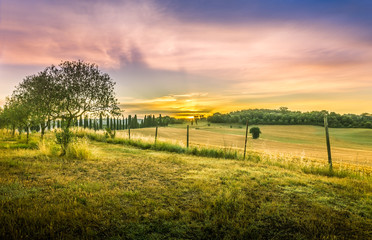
<point x="81" y="121"/>
<point x="135" y="122"/>
<point x="107" y="122"/>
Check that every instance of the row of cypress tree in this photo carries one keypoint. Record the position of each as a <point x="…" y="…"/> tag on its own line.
<point x="113" y="123"/>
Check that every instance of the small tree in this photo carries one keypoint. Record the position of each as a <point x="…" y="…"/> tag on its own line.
<point x="19" y="113"/>
<point x="255" y="131"/>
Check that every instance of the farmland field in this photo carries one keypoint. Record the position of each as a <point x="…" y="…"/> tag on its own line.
<point x="349" y="146"/>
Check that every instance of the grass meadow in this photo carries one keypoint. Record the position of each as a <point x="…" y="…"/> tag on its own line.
<point x="121" y="189"/>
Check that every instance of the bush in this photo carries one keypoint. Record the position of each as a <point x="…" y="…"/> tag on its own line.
<point x="255" y="131"/>
<point x="63" y="138"/>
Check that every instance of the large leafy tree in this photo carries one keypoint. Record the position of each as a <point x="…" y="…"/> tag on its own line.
<point x="40" y="92"/>
<point x="80" y="89"/>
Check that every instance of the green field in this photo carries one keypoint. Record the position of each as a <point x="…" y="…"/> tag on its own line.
<point x="349" y="146"/>
<point x="107" y="190"/>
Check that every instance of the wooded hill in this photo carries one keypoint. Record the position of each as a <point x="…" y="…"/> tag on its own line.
<point x="283" y="116"/>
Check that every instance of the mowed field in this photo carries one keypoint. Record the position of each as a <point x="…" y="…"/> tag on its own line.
<point x="349" y="146"/>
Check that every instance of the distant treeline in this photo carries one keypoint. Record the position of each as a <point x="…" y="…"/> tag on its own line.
<point x="114" y="123"/>
<point x="283" y="116"/>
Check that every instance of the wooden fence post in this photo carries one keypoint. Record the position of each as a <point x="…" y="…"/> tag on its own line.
<point x="156" y="134"/>
<point x="328" y="143"/>
<point x="246" y="137"/>
<point x="187" y="144"/>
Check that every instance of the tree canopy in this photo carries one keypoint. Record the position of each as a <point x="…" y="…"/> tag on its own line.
<point x="81" y="89"/>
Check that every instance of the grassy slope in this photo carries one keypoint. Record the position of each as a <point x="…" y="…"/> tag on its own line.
<point x="130" y="193"/>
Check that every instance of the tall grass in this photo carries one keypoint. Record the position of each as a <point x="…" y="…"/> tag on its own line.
<point x="312" y="166"/>
<point x="282" y="160"/>
<point x="79" y="149"/>
<point x="48" y="148"/>
<point x="147" y="143"/>
<point x="18" y="141"/>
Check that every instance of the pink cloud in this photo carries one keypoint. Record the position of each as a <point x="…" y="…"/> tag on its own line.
<point x="269" y="58"/>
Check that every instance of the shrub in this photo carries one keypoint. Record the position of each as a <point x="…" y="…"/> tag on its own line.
<point x="63" y="138"/>
<point x="255" y="131"/>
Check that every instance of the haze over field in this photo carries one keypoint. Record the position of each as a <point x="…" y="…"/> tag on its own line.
<point x="188" y="57"/>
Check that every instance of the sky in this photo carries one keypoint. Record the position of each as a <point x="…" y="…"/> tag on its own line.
<point x="183" y="58"/>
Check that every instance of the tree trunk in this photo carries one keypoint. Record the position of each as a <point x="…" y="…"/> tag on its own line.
<point x="42" y="132"/>
<point x="65" y="137"/>
<point x="28" y="134"/>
